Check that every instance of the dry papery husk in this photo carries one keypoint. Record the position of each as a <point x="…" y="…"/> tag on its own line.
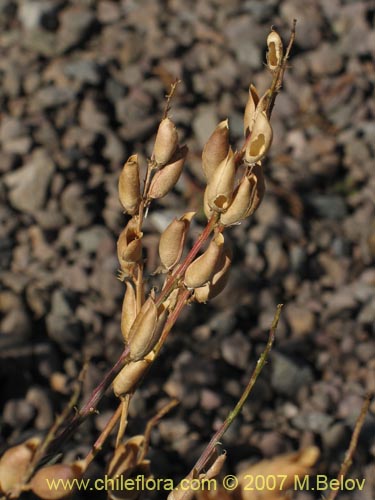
<point x="260" y="140"/>
<point x="128" y="311"/>
<point x="216" y="149"/>
<point x="129" y="186"/>
<point x="172" y="240"/>
<point x="275" y="50"/>
<point x="146" y="329"/>
<point x="128" y="461"/>
<point x="251" y="105"/>
<point x="220" y="188"/>
<point x="246" y="198"/>
<point x="166" y="142"/>
<point x="15" y="462"/>
<point x="129" y="245"/>
<point x="40" y="484"/>
<point x="201" y="270"/>
<point x="218" y="281"/>
<point x="129" y="376"/>
<point x="165" y="179"/>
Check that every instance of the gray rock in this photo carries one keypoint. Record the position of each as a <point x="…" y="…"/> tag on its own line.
<point x="76" y="22"/>
<point x="312" y="421"/>
<point x="85" y="71"/>
<point x="235" y="350"/>
<point x="28" y="185"/>
<point x="329" y="206"/>
<point x="287" y="376"/>
<point x="90" y="239"/>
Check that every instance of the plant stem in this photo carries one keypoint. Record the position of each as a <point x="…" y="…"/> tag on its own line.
<point x="90" y="407"/>
<point x="352" y="446"/>
<point x="207" y="453"/>
<point x="98" y="445"/>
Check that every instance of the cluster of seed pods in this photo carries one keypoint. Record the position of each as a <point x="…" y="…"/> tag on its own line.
<point x="234" y="190"/>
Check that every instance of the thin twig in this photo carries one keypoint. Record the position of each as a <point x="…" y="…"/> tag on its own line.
<point x="98" y="445"/>
<point x="348" y="460"/>
<point x="207" y="453"/>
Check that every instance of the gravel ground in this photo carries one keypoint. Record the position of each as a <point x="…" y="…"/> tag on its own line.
<point x="82" y="86"/>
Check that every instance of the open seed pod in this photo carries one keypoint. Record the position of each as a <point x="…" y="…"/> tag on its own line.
<point x="172" y="240"/>
<point x="261" y="139"/>
<point x="216" y="149"/>
<point x="127" y="462"/>
<point x="275" y="50"/>
<point x="249" y="115"/>
<point x="166" y="142"/>
<point x="129" y="246"/>
<point x="129" y="186"/>
<point x="165" y="179"/>
<point x="220" y="188"/>
<point x="201" y="270"/>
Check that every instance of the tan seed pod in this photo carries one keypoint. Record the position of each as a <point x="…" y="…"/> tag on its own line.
<point x="261" y="139"/>
<point x="247" y="197"/>
<point x="41" y="482"/>
<point x="218" y="281"/>
<point x="129" y="186"/>
<point x="275" y="50"/>
<point x="165" y="179"/>
<point x="216" y="149"/>
<point x="130" y="375"/>
<point x="129" y="311"/>
<point x="15" y="462"/>
<point x="208" y="212"/>
<point x="220" y="188"/>
<point x="172" y="240"/>
<point x="259" y="188"/>
<point x="201" y="270"/>
<point x="146" y="330"/>
<point x="129" y="245"/>
<point x="166" y="142"/>
<point x="250" y="108"/>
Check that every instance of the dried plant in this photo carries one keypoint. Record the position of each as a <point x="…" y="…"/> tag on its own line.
<point x="234" y="190"/>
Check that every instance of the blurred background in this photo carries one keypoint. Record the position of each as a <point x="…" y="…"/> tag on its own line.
<point x="82" y="86"/>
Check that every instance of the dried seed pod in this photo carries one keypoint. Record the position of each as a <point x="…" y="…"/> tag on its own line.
<point x="130" y="375"/>
<point x="261" y="139"/>
<point x="146" y="330"/>
<point x="129" y="311"/>
<point x="208" y="212"/>
<point x="249" y="115"/>
<point x="172" y="240"/>
<point x="275" y="50"/>
<point x="166" y="142"/>
<point x="220" y="187"/>
<point x="216" y="149"/>
<point x="259" y="188"/>
<point x="218" y="281"/>
<point x="129" y="186"/>
<point x="15" y="462"/>
<point x="129" y="245"/>
<point x="201" y="270"/>
<point x="41" y="482"/>
<point x="247" y="197"/>
<point x="165" y="179"/>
